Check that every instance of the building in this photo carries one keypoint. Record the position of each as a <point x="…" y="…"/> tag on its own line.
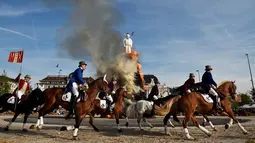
<point x="58" y="81"/>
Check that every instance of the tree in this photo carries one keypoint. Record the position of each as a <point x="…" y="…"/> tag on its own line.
<point x="252" y="92"/>
<point x="5" y="87"/>
<point x="245" y="99"/>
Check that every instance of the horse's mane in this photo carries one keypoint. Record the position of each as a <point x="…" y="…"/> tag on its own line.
<point x="223" y="82"/>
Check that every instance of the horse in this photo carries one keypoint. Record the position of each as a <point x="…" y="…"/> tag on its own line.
<point x="7" y="101"/>
<point x="34" y="99"/>
<point x="204" y="105"/>
<point x="54" y="97"/>
<point x="84" y="108"/>
<point x="144" y="108"/>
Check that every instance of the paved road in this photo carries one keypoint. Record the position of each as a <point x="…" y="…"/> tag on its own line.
<point x="157" y="122"/>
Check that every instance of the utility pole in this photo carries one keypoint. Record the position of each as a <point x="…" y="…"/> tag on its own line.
<point x="250" y="71"/>
<point x="198" y="75"/>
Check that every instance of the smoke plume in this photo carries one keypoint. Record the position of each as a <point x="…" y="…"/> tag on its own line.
<point x="90" y="33"/>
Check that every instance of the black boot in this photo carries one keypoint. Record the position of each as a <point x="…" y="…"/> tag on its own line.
<point x="218" y="105"/>
<point x="71" y="107"/>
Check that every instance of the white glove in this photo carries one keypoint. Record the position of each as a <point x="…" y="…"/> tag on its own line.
<point x="86" y="85"/>
<point x="213" y="86"/>
<point x="155" y="97"/>
<point x="188" y="91"/>
<point x="113" y="92"/>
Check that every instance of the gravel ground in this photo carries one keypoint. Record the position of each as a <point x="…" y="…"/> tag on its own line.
<point x="108" y="133"/>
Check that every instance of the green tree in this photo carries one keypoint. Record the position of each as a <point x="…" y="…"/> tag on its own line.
<point x="4" y="87"/>
<point x="252" y="92"/>
<point x="234" y="104"/>
<point x="245" y="99"/>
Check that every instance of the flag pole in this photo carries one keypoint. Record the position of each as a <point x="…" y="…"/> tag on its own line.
<point x="20" y="70"/>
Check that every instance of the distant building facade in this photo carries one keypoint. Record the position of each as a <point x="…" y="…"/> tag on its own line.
<point x="58" y="81"/>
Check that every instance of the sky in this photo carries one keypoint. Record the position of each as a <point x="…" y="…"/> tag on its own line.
<point x="174" y="38"/>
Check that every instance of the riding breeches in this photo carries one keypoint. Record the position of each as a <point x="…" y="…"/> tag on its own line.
<point x="109" y="98"/>
<point x="75" y="89"/>
<point x="19" y="93"/>
<point x="213" y="92"/>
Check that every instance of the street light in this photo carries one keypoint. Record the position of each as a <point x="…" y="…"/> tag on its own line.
<point x="250" y="71"/>
<point x="198" y="75"/>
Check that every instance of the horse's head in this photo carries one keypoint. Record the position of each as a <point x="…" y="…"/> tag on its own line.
<point x="101" y="84"/>
<point x="229" y="87"/>
<point x="155" y="90"/>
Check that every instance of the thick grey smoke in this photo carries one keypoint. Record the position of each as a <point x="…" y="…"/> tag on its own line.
<point x="90" y="34"/>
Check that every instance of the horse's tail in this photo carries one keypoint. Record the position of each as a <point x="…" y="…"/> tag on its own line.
<point x="3" y="98"/>
<point x="131" y="111"/>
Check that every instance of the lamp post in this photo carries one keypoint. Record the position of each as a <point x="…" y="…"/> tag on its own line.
<point x="198" y="75"/>
<point x="250" y="71"/>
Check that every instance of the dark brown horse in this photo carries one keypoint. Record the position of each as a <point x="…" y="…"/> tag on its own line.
<point x="34" y="99"/>
<point x="190" y="102"/>
<point x="53" y="98"/>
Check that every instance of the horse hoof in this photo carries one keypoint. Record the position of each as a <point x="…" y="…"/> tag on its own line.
<point x="209" y="134"/>
<point x="168" y="134"/>
<point x="152" y="127"/>
<point x="203" y="124"/>
<point x="75" y="138"/>
<point x="97" y="130"/>
<point x="38" y="128"/>
<point x="6" y="129"/>
<point x="126" y="124"/>
<point x="245" y="133"/>
<point x="226" y="126"/>
<point x="119" y="130"/>
<point x="32" y="127"/>
<point x="24" y="130"/>
<point x="214" y="129"/>
<point x="191" y="138"/>
<point x="63" y="128"/>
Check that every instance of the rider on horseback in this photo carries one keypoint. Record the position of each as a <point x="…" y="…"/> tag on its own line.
<point x="112" y="86"/>
<point x="23" y="87"/>
<point x="210" y="86"/>
<point x="189" y="83"/>
<point x="76" y="81"/>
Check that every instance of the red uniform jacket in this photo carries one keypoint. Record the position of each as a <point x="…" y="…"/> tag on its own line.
<point x="188" y="84"/>
<point x="21" y="84"/>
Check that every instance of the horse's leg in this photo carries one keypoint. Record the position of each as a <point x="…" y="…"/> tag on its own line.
<point x="24" y="122"/>
<point x="167" y="118"/>
<point x="127" y="121"/>
<point x="229" y="124"/>
<point x="206" y="119"/>
<point x="184" y="124"/>
<point x="42" y="113"/>
<point x="91" y="122"/>
<point x="231" y="115"/>
<point x="117" y="116"/>
<point x="139" y="117"/>
<point x="195" y="122"/>
<point x="13" y="119"/>
<point x="78" y="120"/>
<point x="149" y="124"/>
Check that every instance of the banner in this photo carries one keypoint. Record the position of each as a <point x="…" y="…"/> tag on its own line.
<point x="16" y="57"/>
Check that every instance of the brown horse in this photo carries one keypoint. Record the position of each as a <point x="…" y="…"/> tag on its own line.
<point x="190" y="102"/>
<point x="53" y="98"/>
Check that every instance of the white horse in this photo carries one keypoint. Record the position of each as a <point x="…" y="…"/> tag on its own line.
<point x="141" y="107"/>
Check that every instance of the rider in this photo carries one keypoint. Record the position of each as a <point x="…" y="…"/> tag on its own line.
<point x="210" y="85"/>
<point x="23" y="87"/>
<point x="112" y="85"/>
<point x="128" y="43"/>
<point x="76" y="81"/>
<point x="189" y="83"/>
